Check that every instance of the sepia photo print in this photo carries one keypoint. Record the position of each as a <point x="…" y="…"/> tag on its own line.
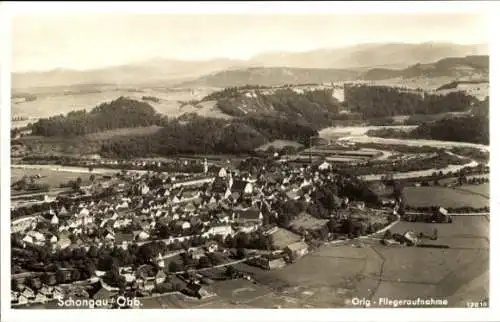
<point x="223" y="161"/>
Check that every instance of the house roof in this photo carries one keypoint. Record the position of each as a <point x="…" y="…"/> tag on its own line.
<point x="297" y="246"/>
<point x="121" y="237"/>
<point x="249" y="214"/>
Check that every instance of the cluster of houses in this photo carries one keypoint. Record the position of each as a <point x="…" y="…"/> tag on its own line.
<point x="225" y="203"/>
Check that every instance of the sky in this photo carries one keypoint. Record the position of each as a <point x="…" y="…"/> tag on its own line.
<point x="46" y="41"/>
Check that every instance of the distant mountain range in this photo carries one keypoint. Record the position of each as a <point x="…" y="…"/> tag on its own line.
<point x="470" y="66"/>
<point x="375" y="60"/>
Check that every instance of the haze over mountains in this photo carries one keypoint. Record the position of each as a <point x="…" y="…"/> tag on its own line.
<point x="370" y="61"/>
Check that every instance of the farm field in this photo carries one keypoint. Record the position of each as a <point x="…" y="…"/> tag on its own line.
<point x="86" y="144"/>
<point x="446" y="197"/>
<point x="50" y="104"/>
<point x="480" y="190"/>
<point x="52" y="178"/>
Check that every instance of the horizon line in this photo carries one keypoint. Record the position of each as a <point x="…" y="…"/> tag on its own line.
<point x="69" y="69"/>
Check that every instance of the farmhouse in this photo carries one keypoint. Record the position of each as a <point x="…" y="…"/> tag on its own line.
<point x="296" y="250"/>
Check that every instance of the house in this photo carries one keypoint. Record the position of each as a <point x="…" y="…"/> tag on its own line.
<point x="104" y="293"/>
<point x="296" y="250"/>
<point x="65" y="273"/>
<point x="124" y="239"/>
<point x="358" y="204"/>
<point x="242" y="187"/>
<point x="46" y="291"/>
<point x="57" y="292"/>
<point x="142" y="235"/>
<point x="145" y="284"/>
<point x="37" y="237"/>
<point x="249" y="215"/>
<point x="14" y="296"/>
<point x="159" y="261"/>
<point x="269" y="263"/>
<point x="160" y="277"/>
<point x="28" y="293"/>
<point x="22" y="299"/>
<point x="64" y="240"/>
<point x="50" y="279"/>
<point x="54" y="220"/>
<point x="40" y="298"/>
<point x="410" y="238"/>
<point x="324" y="166"/>
<point x="109" y="237"/>
<point x="211" y="246"/>
<point x="219" y="230"/>
<point x="198" y="291"/>
<point x="36" y="283"/>
<point x="222" y="173"/>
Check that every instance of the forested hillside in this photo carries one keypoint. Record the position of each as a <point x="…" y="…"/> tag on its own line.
<point x="207" y="135"/>
<point x="473" y="128"/>
<point x="383" y="101"/>
<point x="313" y="107"/>
<point x="120" y="113"/>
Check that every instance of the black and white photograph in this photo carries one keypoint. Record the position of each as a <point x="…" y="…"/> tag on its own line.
<point x="267" y="160"/>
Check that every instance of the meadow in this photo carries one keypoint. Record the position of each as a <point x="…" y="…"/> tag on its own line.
<point x="171" y="102"/>
<point x="53" y="178"/>
<point x="446" y="197"/>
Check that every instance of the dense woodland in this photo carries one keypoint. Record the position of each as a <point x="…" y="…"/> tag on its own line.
<point x="208" y="135"/>
<point x="474" y="128"/>
<point x="120" y="113"/>
<point x="383" y="101"/>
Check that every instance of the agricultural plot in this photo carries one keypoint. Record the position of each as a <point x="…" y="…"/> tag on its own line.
<point x="446" y="197"/>
<point x="53" y="178"/>
<point x="480" y="190"/>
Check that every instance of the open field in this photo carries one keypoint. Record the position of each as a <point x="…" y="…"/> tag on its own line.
<point x="360" y="138"/>
<point x="335" y="132"/>
<point x="170" y="102"/>
<point x="446" y="197"/>
<point x="52" y="178"/>
<point x="86" y="144"/>
<point x="279" y="144"/>
<point x="480" y="190"/>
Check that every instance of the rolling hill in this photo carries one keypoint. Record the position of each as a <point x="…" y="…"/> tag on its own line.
<point x="341" y="63"/>
<point x="454" y="67"/>
<point x="395" y="55"/>
<point x="272" y="76"/>
<point x="468" y="66"/>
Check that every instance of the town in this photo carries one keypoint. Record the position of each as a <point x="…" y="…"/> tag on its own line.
<point x="153" y="233"/>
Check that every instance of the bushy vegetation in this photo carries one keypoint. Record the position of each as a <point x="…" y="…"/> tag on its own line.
<point x="120" y="113"/>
